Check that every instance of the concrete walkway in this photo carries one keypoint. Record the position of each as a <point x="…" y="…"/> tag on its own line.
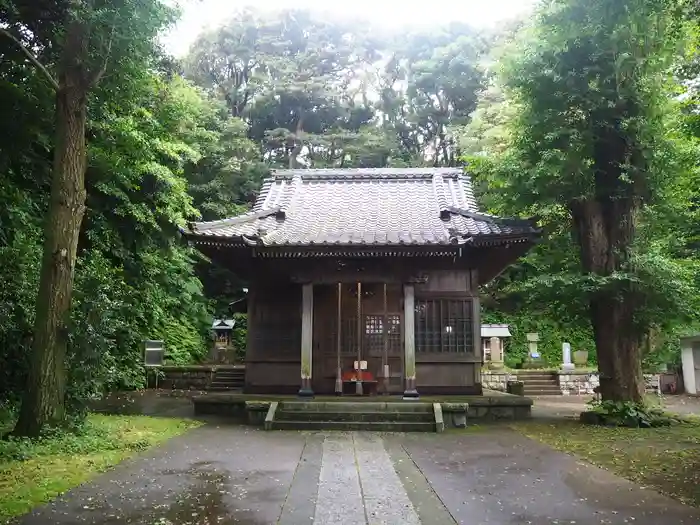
<point x="220" y="474"/>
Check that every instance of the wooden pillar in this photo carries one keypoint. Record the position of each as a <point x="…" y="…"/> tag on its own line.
<point x="307" y="330"/>
<point x="476" y="331"/>
<point x="409" y="316"/>
<point x="338" y="342"/>
<point x="358" y="384"/>
<point x="385" y="349"/>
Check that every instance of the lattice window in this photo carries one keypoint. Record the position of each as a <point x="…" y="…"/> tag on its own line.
<point x="374" y="324"/>
<point x="348" y="336"/>
<point x="373" y="337"/>
<point x="374" y="334"/>
<point x="444" y="326"/>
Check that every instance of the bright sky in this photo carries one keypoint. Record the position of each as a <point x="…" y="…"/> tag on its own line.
<point x="203" y="14"/>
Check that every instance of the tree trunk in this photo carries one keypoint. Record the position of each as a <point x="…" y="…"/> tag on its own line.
<point x="605" y="231"/>
<point x="618" y="349"/>
<point x="44" y="399"/>
<point x="298" y="143"/>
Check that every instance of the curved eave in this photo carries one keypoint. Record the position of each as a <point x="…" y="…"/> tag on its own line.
<point x="463" y="242"/>
<point x="501" y="239"/>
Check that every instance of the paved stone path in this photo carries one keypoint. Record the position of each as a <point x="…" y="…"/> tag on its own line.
<point x="234" y="475"/>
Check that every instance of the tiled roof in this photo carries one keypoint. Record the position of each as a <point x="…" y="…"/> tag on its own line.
<point x="416" y="206"/>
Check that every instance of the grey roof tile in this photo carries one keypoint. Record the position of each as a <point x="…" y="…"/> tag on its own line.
<point x="416" y="206"/>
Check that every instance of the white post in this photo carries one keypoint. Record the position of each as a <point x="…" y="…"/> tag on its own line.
<point x="566" y="355"/>
<point x="307" y="330"/>
<point x="409" y="315"/>
<point x="689" y="365"/>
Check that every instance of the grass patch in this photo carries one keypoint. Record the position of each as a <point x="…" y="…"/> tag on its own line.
<point x="33" y="472"/>
<point x="666" y="459"/>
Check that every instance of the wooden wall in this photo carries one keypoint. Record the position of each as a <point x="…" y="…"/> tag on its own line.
<point x="451" y="373"/>
<point x="273" y="357"/>
<point x="273" y="353"/>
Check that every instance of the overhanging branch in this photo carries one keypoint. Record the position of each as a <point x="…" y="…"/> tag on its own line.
<point x="34" y="60"/>
<point x="97" y="75"/>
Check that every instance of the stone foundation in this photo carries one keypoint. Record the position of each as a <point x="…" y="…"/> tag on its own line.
<point x="490" y="407"/>
<point x="497" y="407"/>
<point x="496" y="380"/>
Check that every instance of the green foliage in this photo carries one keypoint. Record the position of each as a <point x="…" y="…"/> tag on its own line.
<point x="626" y="414"/>
<point x="574" y="81"/>
<point x="149" y="132"/>
<point x="305" y="86"/>
<point x="238" y="338"/>
<point x="553" y="331"/>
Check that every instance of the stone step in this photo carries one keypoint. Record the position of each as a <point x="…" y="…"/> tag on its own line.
<point x="368" y="416"/>
<point x="541" y="382"/>
<point x="543" y="392"/>
<point x="356" y="406"/>
<point x="227" y="380"/>
<point x="376" y="426"/>
<point x="526" y="377"/>
<point x="238" y="382"/>
<point x="225" y="386"/>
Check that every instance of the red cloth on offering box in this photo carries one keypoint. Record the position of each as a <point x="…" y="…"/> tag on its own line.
<point x="355" y="375"/>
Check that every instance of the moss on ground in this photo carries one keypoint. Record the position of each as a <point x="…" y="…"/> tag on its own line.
<point x="33" y="472"/>
<point x="666" y="459"/>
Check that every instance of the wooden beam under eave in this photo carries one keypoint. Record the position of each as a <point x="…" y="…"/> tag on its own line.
<point x="493" y="261"/>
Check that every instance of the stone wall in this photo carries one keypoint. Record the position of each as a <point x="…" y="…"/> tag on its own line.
<point x="192" y="377"/>
<point x="578" y="383"/>
<point x="499" y="406"/>
<point x="496" y="379"/>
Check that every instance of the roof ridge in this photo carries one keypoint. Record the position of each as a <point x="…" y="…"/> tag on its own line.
<point x="238" y="219"/>
<point x="263" y="197"/>
<point x="289" y="194"/>
<point x="440" y="197"/>
<point x="364" y="173"/>
<point x="485" y="217"/>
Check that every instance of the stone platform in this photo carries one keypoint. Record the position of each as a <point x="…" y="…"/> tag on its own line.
<point x="368" y="413"/>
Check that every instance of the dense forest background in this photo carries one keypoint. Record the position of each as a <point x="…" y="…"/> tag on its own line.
<point x="172" y="140"/>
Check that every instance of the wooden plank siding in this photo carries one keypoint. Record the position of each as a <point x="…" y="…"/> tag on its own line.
<point x="273" y="356"/>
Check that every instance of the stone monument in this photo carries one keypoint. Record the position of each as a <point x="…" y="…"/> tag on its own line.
<point x="534" y="359"/>
<point x="566" y="365"/>
<point x="496" y="353"/>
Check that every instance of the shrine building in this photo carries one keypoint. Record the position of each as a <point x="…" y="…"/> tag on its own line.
<point x="364" y="281"/>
